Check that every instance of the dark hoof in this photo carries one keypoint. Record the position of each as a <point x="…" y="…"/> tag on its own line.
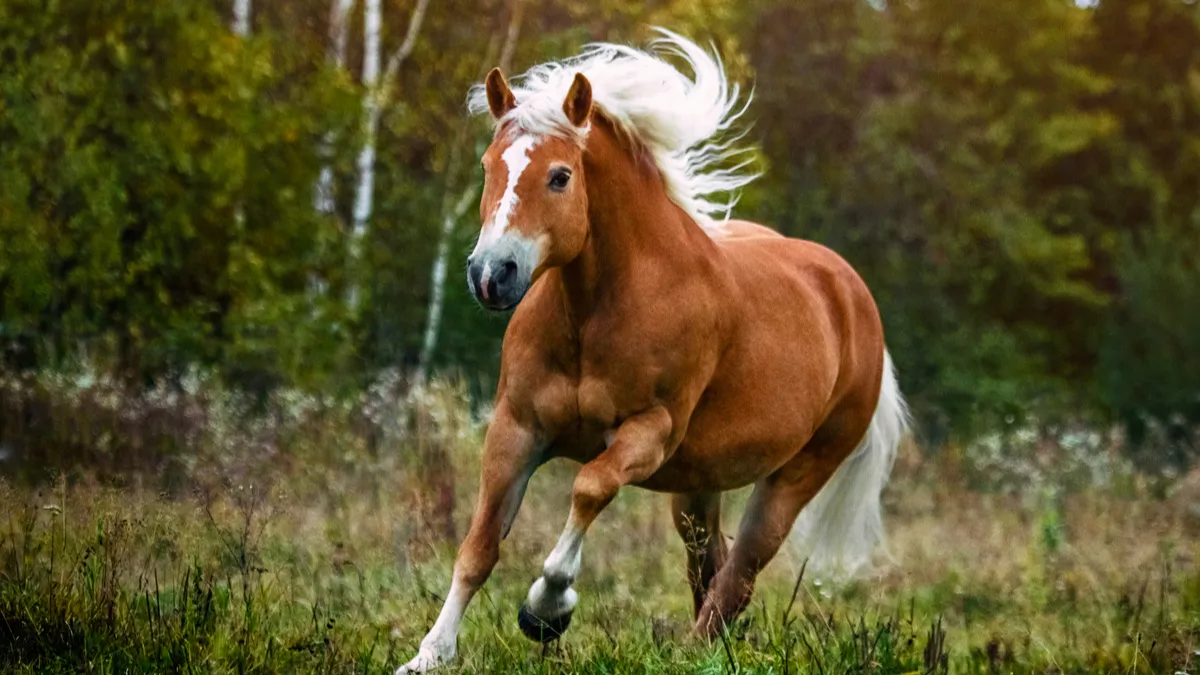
<point x="539" y="630"/>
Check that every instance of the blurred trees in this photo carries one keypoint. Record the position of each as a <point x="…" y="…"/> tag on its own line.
<point x="128" y="133"/>
<point x="986" y="166"/>
<point x="1019" y="183"/>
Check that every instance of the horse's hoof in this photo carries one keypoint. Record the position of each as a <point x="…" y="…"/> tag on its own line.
<point x="541" y="630"/>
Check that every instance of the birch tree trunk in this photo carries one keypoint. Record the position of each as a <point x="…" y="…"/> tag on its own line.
<point x="364" y="194"/>
<point x="241" y="28"/>
<point x="377" y="95"/>
<point x="437" y="298"/>
<point x="454" y="210"/>
<point x="324" y="198"/>
<point x="241" y="18"/>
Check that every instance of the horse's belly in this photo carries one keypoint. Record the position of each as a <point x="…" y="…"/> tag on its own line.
<point x="762" y="407"/>
<point x="726" y="454"/>
<point x="685" y="475"/>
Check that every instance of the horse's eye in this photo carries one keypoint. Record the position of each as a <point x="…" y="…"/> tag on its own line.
<point x="559" y="179"/>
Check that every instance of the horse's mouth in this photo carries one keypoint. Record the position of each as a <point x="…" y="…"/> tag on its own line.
<point x="502" y="305"/>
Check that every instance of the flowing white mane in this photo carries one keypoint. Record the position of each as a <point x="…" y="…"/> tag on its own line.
<point x="684" y="123"/>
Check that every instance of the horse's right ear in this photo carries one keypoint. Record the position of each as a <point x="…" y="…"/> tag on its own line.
<point x="500" y="97"/>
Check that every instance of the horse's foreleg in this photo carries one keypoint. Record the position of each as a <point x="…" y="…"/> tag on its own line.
<point x="698" y="520"/>
<point x="509" y="459"/>
<point x="638" y="449"/>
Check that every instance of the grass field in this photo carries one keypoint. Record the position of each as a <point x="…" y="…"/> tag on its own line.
<point x="330" y="557"/>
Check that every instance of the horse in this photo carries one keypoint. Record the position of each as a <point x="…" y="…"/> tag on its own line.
<point x="660" y="343"/>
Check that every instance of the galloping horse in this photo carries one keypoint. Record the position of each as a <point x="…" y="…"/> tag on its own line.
<point x="660" y="344"/>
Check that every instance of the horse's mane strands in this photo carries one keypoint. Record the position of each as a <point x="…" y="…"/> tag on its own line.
<point x="685" y="123"/>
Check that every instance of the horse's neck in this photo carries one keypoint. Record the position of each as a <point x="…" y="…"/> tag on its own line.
<point x="634" y="227"/>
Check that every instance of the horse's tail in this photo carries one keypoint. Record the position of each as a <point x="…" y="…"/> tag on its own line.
<point x="839" y="529"/>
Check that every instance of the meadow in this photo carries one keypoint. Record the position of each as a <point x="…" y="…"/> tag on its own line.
<point x="320" y="542"/>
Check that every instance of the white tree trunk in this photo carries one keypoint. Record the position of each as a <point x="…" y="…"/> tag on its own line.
<point x="339" y="31"/>
<point x="364" y="194"/>
<point x="452" y="212"/>
<point x="374" y="98"/>
<point x="437" y="300"/>
<point x="241" y="28"/>
<point x="241" y="18"/>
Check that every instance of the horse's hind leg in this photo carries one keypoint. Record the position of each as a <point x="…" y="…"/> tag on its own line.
<point x="773" y="507"/>
<point x="698" y="520"/>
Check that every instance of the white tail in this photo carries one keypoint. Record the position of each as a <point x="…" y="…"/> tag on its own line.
<point x="839" y="529"/>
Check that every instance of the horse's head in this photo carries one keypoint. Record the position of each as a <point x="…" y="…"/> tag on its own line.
<point x="534" y="205"/>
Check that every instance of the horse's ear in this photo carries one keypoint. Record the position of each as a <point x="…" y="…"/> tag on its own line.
<point x="500" y="97"/>
<point x="578" y="105"/>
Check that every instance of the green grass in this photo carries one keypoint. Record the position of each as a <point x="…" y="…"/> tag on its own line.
<point x="332" y="558"/>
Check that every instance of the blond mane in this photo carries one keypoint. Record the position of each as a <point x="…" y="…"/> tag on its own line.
<point x="685" y="123"/>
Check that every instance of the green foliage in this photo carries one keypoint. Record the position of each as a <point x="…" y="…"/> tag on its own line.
<point x="971" y="161"/>
<point x="1148" y="366"/>
<point x="1016" y="181"/>
<point x="155" y="191"/>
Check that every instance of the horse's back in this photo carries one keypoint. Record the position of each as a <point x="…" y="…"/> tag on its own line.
<point x="741" y="229"/>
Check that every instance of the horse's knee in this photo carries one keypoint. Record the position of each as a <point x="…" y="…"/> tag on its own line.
<point x="595" y="486"/>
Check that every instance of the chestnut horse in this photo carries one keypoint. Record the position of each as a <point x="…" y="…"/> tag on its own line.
<point x="658" y="345"/>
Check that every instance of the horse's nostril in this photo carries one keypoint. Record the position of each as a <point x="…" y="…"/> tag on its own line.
<point x="506" y="272"/>
<point x="474" y="273"/>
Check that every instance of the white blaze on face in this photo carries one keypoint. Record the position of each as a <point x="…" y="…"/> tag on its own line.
<point x="516" y="159"/>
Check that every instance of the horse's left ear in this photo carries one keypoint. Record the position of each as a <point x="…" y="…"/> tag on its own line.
<point x="500" y="97"/>
<point x="578" y="105"/>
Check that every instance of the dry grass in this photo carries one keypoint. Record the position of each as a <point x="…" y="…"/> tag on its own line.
<point x="327" y="552"/>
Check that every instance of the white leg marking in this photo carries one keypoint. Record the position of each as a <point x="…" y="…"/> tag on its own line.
<point x="440" y="645"/>
<point x="551" y="596"/>
<point x="516" y="159"/>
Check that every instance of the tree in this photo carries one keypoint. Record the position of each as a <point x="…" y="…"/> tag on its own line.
<point x="913" y="141"/>
<point x="241" y="18"/>
<point x="324" y="199"/>
<point x="376" y="96"/>
<point x="455" y="207"/>
<point x="1143" y="187"/>
<point x="126" y="143"/>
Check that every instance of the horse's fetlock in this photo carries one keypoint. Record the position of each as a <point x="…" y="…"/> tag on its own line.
<point x="558" y="578"/>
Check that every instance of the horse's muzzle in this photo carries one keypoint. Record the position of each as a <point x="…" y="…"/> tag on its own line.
<point x="497" y="284"/>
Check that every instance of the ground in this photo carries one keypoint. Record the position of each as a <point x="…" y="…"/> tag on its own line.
<point x="300" y="563"/>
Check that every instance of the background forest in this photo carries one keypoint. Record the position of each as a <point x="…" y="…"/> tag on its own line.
<point x="285" y="198"/>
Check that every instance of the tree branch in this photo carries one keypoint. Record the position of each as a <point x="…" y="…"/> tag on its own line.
<point x="453" y="211"/>
<point x="410" y="41"/>
<point x="514" y="32"/>
<point x="339" y="30"/>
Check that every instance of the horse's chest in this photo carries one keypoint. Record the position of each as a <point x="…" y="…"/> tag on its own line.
<point x="577" y="417"/>
<point x="597" y="403"/>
